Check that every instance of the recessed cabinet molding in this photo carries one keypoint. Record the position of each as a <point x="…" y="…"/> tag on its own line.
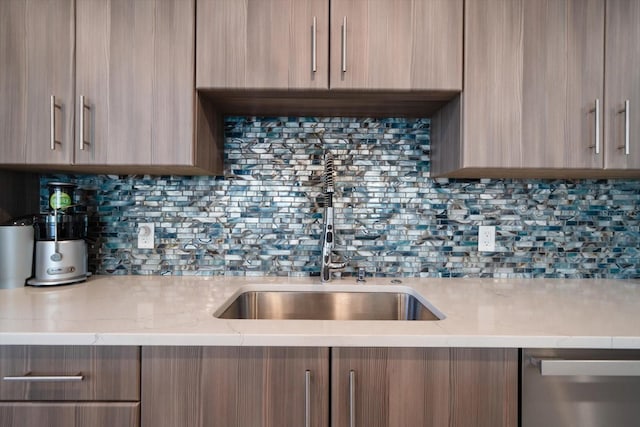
<point x="329" y="44"/>
<point x="543" y="96"/>
<point x="124" y="103"/>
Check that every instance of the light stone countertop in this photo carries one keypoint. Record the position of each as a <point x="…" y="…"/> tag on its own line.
<point x="155" y="310"/>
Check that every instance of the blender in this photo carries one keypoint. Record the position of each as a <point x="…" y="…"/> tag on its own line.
<point x="60" y="245"/>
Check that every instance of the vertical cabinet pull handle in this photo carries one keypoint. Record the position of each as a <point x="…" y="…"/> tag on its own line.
<point x="314" y="40"/>
<point x="83" y="106"/>
<point x="626" y="128"/>
<point x="352" y="398"/>
<point x="597" y="128"/>
<point x="307" y="398"/>
<point x="53" y="123"/>
<point x="344" y="44"/>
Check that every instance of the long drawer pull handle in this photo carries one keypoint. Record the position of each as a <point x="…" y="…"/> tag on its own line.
<point x="83" y="106"/>
<point x="44" y="378"/>
<point x="314" y="41"/>
<point x="597" y="126"/>
<point x="52" y="130"/>
<point x="626" y="128"/>
<point x="613" y="368"/>
<point x="344" y="44"/>
<point x="352" y="398"/>
<point x="307" y="398"/>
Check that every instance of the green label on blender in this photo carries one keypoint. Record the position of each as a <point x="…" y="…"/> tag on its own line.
<point x="59" y="200"/>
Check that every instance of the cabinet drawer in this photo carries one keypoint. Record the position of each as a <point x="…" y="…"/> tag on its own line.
<point x="69" y="373"/>
<point x="69" y="414"/>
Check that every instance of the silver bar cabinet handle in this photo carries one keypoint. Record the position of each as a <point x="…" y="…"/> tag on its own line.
<point x="558" y="367"/>
<point x="597" y="129"/>
<point x="53" y="123"/>
<point x="352" y="398"/>
<point x="344" y="44"/>
<point x="626" y="128"/>
<point x="44" y="378"/>
<point x="83" y="107"/>
<point x="314" y="40"/>
<point x="307" y="398"/>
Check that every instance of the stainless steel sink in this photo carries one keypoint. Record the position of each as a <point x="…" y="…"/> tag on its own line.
<point x="328" y="305"/>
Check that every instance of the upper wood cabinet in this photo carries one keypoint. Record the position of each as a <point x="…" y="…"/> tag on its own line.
<point x="534" y="102"/>
<point x="622" y="84"/>
<point x="125" y="102"/>
<point x="396" y="44"/>
<point x="36" y="82"/>
<point x="134" y="70"/>
<point x="285" y="44"/>
<point x="258" y="44"/>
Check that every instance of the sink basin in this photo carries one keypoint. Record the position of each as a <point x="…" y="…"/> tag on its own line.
<point x="385" y="303"/>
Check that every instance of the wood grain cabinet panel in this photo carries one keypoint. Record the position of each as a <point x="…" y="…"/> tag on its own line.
<point x="396" y="44"/>
<point x="484" y="387"/>
<point x="70" y="386"/>
<point x="273" y="44"/>
<point x="39" y="414"/>
<point x="394" y="387"/>
<point x="534" y="72"/>
<point x="369" y="387"/>
<point x="134" y="66"/>
<point x="262" y="44"/>
<point x="108" y="373"/>
<point x="36" y="62"/>
<point x="406" y="387"/>
<point x="234" y="386"/>
<point x="622" y="84"/>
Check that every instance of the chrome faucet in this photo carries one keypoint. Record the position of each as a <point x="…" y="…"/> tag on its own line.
<point x="328" y="236"/>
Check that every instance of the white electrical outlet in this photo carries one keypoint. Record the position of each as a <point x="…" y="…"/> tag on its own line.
<point x="486" y="238"/>
<point x="146" y="234"/>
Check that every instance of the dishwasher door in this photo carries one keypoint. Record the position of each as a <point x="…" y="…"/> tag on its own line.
<point x="581" y="388"/>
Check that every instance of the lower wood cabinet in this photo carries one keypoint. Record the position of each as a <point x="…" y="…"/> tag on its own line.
<point x="69" y="386"/>
<point x="235" y="386"/>
<point x="367" y="387"/>
<point x="37" y="414"/>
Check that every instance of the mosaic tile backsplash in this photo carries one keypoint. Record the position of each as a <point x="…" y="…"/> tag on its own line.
<point x="264" y="217"/>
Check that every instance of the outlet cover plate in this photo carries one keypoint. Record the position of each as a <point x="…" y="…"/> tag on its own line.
<point x="486" y="238"/>
<point x="146" y="235"/>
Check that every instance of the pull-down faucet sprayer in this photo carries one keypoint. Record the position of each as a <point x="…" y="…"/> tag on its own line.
<point x="328" y="235"/>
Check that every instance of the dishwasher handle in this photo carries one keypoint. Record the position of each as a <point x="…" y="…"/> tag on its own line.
<point x="610" y="368"/>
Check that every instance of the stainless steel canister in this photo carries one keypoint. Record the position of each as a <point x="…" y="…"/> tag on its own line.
<point x="16" y="255"/>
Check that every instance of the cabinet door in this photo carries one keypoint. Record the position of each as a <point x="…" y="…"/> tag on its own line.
<point x="36" y="59"/>
<point x="40" y="414"/>
<point x="622" y="84"/>
<point x="234" y="386"/>
<point x="134" y="66"/>
<point x="562" y="77"/>
<point x="396" y="44"/>
<point x="492" y="98"/>
<point x="262" y="44"/>
<point x="390" y="387"/>
<point x="484" y="387"/>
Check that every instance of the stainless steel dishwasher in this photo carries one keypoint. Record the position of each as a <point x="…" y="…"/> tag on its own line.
<point x="581" y="388"/>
